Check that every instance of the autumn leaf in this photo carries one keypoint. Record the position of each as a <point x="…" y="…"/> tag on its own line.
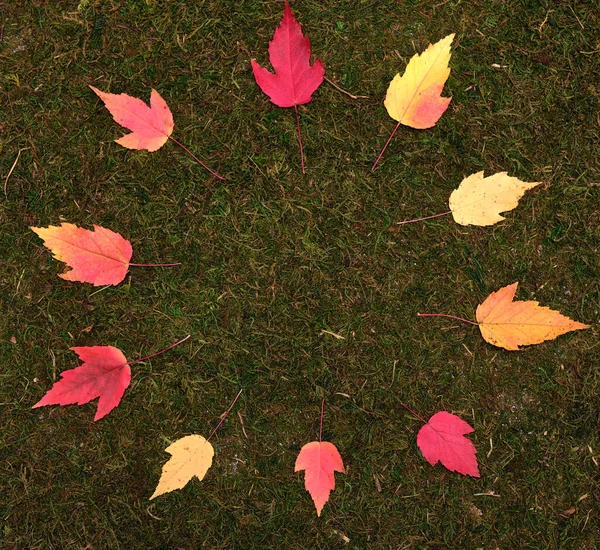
<point x="295" y="80"/>
<point x="414" y="99"/>
<point x="479" y="201"/>
<point x="509" y="324"/>
<point x="105" y="373"/>
<point x="151" y="127"/>
<point x="442" y="440"/>
<point x="319" y="460"/>
<point x="191" y="456"/>
<point x="100" y="257"/>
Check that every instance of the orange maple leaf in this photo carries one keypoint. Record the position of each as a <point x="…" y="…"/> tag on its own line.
<point x="99" y="257"/>
<point x="509" y="324"/>
<point x="319" y="459"/>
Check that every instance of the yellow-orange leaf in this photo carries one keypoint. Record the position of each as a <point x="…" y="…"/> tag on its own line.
<point x="414" y="99"/>
<point x="192" y="456"/>
<point x="479" y="200"/>
<point x="509" y="324"/>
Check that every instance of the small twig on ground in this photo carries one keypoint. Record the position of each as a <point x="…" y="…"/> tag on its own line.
<point x="11" y="170"/>
<point x="345" y="92"/>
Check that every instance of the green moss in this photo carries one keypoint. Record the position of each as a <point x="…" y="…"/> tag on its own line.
<point x="274" y="261"/>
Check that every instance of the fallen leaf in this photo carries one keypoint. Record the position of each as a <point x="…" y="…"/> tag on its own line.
<point x="319" y="460"/>
<point x="191" y="456"/>
<point x="100" y="257"/>
<point x="415" y="98"/>
<point x="105" y="373"/>
<point x="509" y="324"/>
<point x="295" y="80"/>
<point x="479" y="200"/>
<point x="150" y="126"/>
<point x="442" y="440"/>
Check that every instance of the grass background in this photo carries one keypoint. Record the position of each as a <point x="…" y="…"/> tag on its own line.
<point x="272" y="259"/>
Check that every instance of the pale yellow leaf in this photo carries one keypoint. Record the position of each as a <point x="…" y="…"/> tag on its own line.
<point x="479" y="200"/>
<point x="192" y="456"/>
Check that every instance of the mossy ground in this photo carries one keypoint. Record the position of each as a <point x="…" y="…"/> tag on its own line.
<point x="275" y="261"/>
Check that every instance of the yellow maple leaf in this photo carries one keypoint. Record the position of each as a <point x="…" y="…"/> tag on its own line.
<point x="509" y="324"/>
<point x="192" y="456"/>
<point x="414" y="99"/>
<point x="479" y="201"/>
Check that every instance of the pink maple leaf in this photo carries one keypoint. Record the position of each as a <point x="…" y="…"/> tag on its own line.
<point x="442" y="440"/>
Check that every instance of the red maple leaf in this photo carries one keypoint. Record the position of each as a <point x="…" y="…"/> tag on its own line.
<point x="151" y="127"/>
<point x="105" y="373"/>
<point x="442" y="439"/>
<point x="295" y="79"/>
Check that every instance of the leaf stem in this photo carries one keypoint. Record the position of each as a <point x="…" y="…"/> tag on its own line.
<point x="449" y="316"/>
<point x="196" y="158"/>
<point x="154" y="265"/>
<point x="414" y="413"/>
<point x="425" y="218"/>
<point x="321" y="423"/>
<point x="159" y="352"/>
<point x="224" y="415"/>
<point x="385" y="147"/>
<point x="299" y="137"/>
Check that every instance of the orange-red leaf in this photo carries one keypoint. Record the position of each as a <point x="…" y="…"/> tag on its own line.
<point x="105" y="373"/>
<point x="100" y="257"/>
<point x="150" y="126"/>
<point x="319" y="459"/>
<point x="509" y="324"/>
